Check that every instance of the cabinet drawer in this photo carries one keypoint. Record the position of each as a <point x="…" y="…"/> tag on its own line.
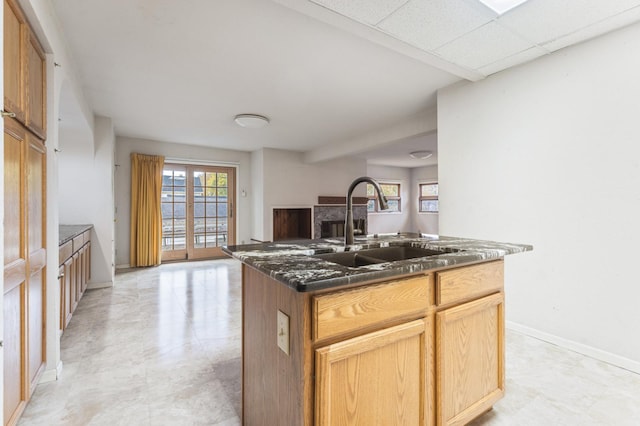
<point x="350" y="310"/>
<point x="65" y="252"/>
<point x="78" y="242"/>
<point x="456" y="285"/>
<point x="86" y="236"/>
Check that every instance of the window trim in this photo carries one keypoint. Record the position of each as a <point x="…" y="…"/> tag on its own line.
<point x="428" y="197"/>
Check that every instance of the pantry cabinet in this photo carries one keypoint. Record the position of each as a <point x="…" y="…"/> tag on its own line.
<point x="25" y="286"/>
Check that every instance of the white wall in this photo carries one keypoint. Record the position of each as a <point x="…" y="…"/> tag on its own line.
<point x="187" y="153"/>
<point x="85" y="191"/>
<point x="549" y="154"/>
<point x="393" y="222"/>
<point x="257" y="195"/>
<point x="290" y="182"/>
<point x="424" y="222"/>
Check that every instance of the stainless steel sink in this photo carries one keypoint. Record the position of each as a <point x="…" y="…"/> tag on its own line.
<point x="355" y="259"/>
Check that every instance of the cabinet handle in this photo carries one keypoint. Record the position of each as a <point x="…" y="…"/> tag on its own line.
<point x="61" y="276"/>
<point x="8" y="114"/>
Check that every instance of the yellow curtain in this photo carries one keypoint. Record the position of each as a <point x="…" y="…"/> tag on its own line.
<point x="146" y="214"/>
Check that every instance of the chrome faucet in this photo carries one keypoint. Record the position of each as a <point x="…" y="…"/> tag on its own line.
<point x="348" y="223"/>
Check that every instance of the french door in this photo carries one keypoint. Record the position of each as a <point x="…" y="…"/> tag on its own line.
<point x="198" y="214"/>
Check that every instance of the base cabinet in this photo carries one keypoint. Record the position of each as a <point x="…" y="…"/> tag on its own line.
<point x="469" y="359"/>
<point x="419" y="350"/>
<point x="75" y="272"/>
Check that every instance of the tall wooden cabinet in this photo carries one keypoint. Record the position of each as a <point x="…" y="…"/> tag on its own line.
<point x="24" y="210"/>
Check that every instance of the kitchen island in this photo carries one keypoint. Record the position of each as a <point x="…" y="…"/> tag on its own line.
<point x="398" y="329"/>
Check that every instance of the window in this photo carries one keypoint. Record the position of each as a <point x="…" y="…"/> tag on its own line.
<point x="391" y="191"/>
<point x="428" y="202"/>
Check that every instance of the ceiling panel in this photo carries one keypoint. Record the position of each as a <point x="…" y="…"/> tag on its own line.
<point x="541" y="21"/>
<point x="430" y="24"/>
<point x="483" y="46"/>
<point x="367" y="11"/>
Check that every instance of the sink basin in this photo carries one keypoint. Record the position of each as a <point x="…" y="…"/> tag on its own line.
<point x="355" y="259"/>
<point x="391" y="254"/>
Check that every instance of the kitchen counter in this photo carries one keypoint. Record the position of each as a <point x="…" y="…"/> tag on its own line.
<point x="68" y="232"/>
<point x="292" y="262"/>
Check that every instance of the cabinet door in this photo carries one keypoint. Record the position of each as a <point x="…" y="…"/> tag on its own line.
<point x="469" y="359"/>
<point x="68" y="290"/>
<point x="75" y="280"/>
<point x="36" y="237"/>
<point x="15" y="33"/>
<point x="15" y="271"/>
<point x="61" y="288"/>
<point x="375" y="379"/>
<point x="36" y="86"/>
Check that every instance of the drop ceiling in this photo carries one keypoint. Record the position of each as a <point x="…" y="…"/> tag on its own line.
<point x="323" y="71"/>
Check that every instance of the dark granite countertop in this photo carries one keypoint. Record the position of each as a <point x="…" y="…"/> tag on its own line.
<point x="68" y="232"/>
<point x="293" y="264"/>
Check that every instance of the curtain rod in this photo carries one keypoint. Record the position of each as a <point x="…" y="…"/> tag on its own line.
<point x="200" y="162"/>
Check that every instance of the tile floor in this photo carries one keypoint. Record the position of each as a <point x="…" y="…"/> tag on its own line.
<point x="162" y="347"/>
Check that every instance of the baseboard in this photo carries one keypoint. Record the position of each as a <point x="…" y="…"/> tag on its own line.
<point x="123" y="266"/>
<point x="51" y="375"/>
<point x="590" y="351"/>
<point x="94" y="286"/>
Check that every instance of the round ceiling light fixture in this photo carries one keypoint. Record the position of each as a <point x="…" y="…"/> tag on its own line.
<point x="251" y="121"/>
<point x="420" y="155"/>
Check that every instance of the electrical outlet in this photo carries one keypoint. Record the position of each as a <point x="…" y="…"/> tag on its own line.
<point x="283" y="332"/>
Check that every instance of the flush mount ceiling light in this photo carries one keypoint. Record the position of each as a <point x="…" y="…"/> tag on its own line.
<point x="420" y="155"/>
<point x="502" y="6"/>
<point x="251" y="121"/>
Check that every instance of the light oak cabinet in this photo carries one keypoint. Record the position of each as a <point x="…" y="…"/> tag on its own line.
<point x="35" y="111"/>
<point x="24" y="71"/>
<point x="469" y="341"/>
<point x="25" y="286"/>
<point x="75" y="272"/>
<point x="375" y="379"/>
<point x="422" y="350"/>
<point x="469" y="359"/>
<point x="15" y="36"/>
<point x="24" y="266"/>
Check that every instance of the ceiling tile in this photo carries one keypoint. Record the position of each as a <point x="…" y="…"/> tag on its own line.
<point x="615" y="22"/>
<point x="483" y="46"/>
<point x="366" y="11"/>
<point x="513" y="60"/>
<point x="429" y="24"/>
<point x="541" y="21"/>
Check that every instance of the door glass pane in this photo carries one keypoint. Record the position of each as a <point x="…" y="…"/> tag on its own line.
<point x="211" y="210"/>
<point x="180" y="178"/>
<point x="173" y="205"/>
<point x="211" y="180"/>
<point x="222" y="210"/>
<point x="222" y="180"/>
<point x="198" y="209"/>
<point x="222" y="192"/>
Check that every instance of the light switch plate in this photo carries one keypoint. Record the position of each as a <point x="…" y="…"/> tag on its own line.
<point x="283" y="332"/>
